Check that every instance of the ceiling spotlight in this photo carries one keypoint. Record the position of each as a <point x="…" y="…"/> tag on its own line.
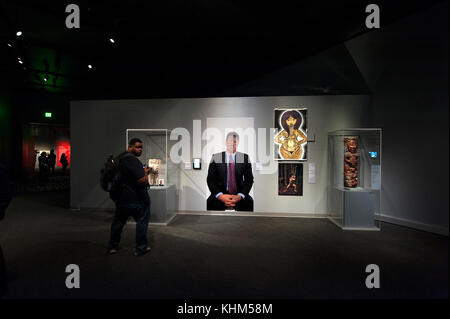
<point x="9" y="44"/>
<point x="46" y="78"/>
<point x="89" y="66"/>
<point x="18" y="58"/>
<point x="20" y="61"/>
<point x="111" y="40"/>
<point x="19" y="33"/>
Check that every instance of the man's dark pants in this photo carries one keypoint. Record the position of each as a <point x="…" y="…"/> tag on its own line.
<point x="245" y="204"/>
<point x="140" y="213"/>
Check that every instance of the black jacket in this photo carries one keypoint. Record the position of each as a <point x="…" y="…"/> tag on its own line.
<point x="5" y="190"/>
<point x="131" y="169"/>
<point x="217" y="174"/>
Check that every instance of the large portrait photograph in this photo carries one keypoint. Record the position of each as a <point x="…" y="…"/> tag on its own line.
<point x="290" y="179"/>
<point x="290" y="140"/>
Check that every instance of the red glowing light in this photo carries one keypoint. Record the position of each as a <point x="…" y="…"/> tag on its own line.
<point x="62" y="147"/>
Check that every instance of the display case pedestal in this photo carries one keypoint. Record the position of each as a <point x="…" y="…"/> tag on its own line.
<point x="163" y="204"/>
<point x="353" y="208"/>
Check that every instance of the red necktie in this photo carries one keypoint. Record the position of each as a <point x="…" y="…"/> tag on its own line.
<point x="231" y="176"/>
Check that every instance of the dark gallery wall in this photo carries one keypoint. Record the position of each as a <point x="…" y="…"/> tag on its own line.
<point x="5" y="123"/>
<point x="406" y="68"/>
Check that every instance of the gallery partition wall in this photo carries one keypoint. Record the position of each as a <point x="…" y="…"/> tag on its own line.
<point x="289" y="164"/>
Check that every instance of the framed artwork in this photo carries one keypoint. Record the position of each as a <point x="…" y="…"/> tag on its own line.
<point x="290" y="179"/>
<point x="290" y="140"/>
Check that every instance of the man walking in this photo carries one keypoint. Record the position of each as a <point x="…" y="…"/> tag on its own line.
<point x="132" y="198"/>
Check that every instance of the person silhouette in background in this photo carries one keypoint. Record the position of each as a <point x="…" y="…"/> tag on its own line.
<point x="5" y="199"/>
<point x="52" y="161"/>
<point x="43" y="166"/>
<point x="64" y="162"/>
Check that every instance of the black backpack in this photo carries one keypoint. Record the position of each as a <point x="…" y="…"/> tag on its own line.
<point x="110" y="175"/>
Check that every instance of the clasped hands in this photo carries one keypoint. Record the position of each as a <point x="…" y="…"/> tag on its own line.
<point x="229" y="200"/>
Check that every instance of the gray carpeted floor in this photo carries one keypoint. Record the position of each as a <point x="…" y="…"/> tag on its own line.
<point x="214" y="257"/>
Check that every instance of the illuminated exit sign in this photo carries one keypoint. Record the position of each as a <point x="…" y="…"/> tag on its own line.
<point x="48" y="114"/>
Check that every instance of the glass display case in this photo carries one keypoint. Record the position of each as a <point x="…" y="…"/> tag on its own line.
<point x="155" y="155"/>
<point x="164" y="174"/>
<point x="354" y="178"/>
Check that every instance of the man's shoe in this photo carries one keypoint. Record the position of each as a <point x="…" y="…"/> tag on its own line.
<point x="142" y="252"/>
<point x="112" y="251"/>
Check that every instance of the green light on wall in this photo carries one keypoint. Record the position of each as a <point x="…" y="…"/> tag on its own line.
<point x="48" y="114"/>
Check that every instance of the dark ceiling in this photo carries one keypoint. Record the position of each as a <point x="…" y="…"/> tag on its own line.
<point x="183" y="48"/>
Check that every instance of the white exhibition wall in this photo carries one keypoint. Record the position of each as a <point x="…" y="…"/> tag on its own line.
<point x="98" y="130"/>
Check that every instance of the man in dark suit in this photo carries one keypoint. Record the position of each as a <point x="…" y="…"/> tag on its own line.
<point x="230" y="178"/>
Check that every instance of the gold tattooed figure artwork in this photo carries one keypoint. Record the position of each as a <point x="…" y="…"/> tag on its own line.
<point x="290" y="141"/>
